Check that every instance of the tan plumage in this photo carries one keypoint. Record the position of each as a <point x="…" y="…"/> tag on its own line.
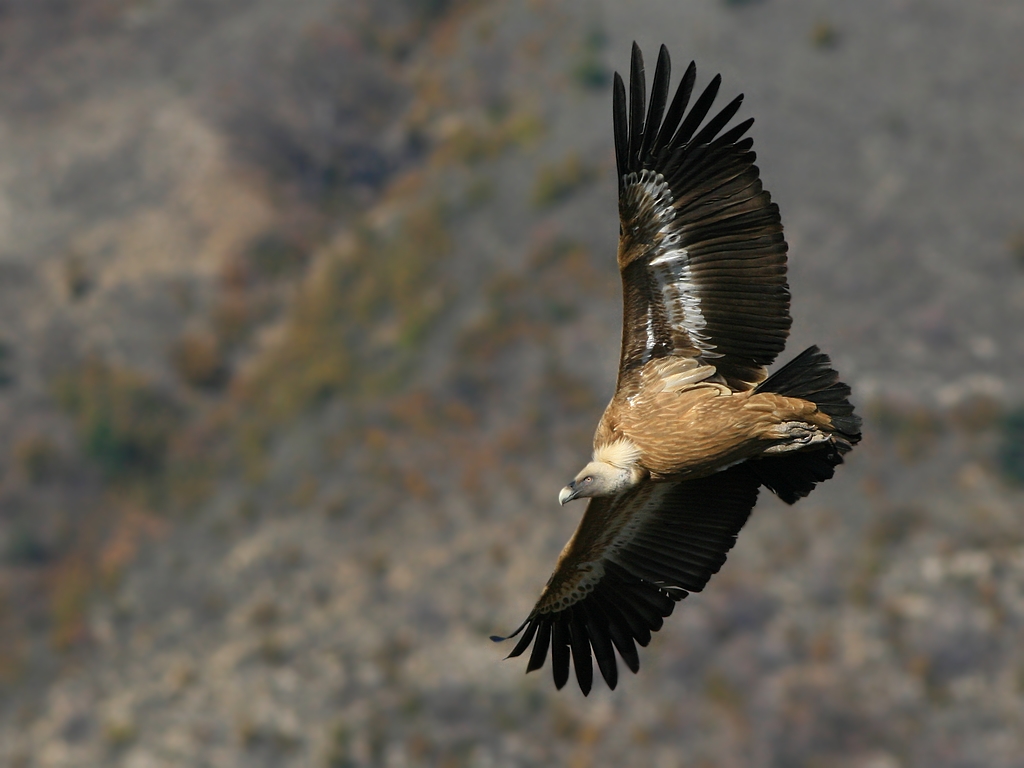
<point x="696" y="425"/>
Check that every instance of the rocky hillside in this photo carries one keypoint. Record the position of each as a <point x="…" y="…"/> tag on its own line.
<point x="309" y="309"/>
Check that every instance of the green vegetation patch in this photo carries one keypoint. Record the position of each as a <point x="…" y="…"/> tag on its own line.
<point x="359" y="319"/>
<point x="6" y="363"/>
<point x="1011" y="447"/>
<point x="559" y="181"/>
<point x="468" y="142"/>
<point x="589" y="70"/>
<point x="124" y="423"/>
<point x="274" y="255"/>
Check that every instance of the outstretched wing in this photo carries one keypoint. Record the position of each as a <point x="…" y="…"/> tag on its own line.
<point x="630" y="560"/>
<point x="701" y="249"/>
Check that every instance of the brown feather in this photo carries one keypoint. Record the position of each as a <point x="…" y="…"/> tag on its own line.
<point x="632" y="541"/>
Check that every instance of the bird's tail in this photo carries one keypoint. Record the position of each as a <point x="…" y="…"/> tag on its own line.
<point x="809" y="376"/>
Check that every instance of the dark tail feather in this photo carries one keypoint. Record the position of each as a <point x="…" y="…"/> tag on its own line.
<point x="809" y="376"/>
<point x="793" y="476"/>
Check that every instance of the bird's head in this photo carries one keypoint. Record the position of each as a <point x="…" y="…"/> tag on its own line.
<point x="599" y="478"/>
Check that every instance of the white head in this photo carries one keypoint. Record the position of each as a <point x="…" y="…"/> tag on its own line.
<point x="613" y="470"/>
<point x="598" y="478"/>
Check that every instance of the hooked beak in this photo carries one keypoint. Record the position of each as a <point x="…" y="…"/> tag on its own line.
<point x="568" y="493"/>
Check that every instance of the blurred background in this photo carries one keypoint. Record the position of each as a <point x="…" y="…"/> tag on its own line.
<point x="308" y="309"/>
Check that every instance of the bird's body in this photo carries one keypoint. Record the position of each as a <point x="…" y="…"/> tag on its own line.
<point x="696" y="425"/>
<point x="692" y="430"/>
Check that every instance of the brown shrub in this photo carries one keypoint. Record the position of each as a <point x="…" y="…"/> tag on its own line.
<point x="198" y="358"/>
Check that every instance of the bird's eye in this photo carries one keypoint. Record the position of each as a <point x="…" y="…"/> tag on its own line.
<point x="588" y="479"/>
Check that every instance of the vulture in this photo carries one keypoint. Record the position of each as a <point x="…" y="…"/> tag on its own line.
<point x="696" y="425"/>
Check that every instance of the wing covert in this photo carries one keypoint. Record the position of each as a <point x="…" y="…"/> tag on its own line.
<point x="701" y="248"/>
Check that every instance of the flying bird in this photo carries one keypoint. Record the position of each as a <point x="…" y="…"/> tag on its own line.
<point x="696" y="425"/>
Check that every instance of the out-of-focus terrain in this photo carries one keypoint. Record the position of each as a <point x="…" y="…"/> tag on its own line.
<point x="308" y="309"/>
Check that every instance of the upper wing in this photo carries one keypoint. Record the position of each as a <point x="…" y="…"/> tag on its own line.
<point x="630" y="560"/>
<point x="701" y="249"/>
